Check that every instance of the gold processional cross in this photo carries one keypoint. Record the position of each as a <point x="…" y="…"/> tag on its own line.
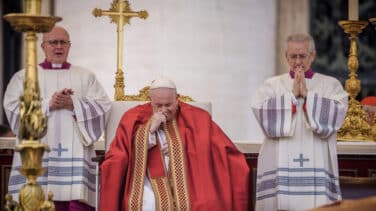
<point x="120" y="13"/>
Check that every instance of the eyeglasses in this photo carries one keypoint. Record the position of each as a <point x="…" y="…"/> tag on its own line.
<point x="298" y="56"/>
<point x="55" y="43"/>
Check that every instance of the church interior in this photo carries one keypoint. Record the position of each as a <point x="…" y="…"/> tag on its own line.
<point x="217" y="52"/>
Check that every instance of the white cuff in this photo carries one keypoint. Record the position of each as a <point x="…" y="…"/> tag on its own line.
<point x="152" y="140"/>
<point x="294" y="100"/>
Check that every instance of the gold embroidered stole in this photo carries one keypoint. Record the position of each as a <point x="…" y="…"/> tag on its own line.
<point x="170" y="189"/>
<point x="159" y="180"/>
<point x="139" y="167"/>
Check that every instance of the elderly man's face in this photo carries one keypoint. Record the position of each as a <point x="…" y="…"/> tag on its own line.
<point x="164" y="100"/>
<point x="56" y="45"/>
<point x="298" y="55"/>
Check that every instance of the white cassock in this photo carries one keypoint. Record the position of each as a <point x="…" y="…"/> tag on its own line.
<point x="71" y="173"/>
<point x="297" y="163"/>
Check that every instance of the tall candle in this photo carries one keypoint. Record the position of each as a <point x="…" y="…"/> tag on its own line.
<point x="354" y="10"/>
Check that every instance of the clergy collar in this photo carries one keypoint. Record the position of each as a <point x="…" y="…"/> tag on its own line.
<point x="307" y="74"/>
<point x="48" y="65"/>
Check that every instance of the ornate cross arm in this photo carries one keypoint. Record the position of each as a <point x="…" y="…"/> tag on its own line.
<point x="114" y="14"/>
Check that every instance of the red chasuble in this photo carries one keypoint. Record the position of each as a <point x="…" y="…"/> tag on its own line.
<point x="206" y="171"/>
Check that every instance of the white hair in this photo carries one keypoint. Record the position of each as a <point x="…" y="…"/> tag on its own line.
<point x="302" y="38"/>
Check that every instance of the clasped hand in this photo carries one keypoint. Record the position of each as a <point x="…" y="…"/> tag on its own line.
<point x="62" y="100"/>
<point x="299" y="88"/>
<point x="157" y="119"/>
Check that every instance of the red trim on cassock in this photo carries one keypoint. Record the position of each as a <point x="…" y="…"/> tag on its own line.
<point x="304" y="107"/>
<point x="293" y="108"/>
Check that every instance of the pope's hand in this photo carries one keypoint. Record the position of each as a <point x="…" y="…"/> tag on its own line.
<point x="156" y="120"/>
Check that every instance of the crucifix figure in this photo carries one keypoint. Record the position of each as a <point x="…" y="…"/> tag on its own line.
<point x="120" y="14"/>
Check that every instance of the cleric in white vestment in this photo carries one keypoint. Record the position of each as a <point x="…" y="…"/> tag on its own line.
<point x="300" y="113"/>
<point x="75" y="105"/>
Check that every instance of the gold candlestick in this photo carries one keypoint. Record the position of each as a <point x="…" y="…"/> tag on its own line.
<point x="355" y="127"/>
<point x="32" y="124"/>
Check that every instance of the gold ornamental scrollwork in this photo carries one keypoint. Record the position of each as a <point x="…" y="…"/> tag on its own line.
<point x="144" y="96"/>
<point x="26" y="23"/>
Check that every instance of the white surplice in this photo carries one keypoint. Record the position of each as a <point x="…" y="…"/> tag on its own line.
<point x="297" y="163"/>
<point x="70" y="135"/>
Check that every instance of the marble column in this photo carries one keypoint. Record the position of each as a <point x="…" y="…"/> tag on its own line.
<point x="292" y="17"/>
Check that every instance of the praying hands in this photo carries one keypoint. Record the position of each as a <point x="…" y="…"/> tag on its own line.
<point x="299" y="88"/>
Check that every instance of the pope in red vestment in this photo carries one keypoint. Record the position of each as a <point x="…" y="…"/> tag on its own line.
<point x="205" y="170"/>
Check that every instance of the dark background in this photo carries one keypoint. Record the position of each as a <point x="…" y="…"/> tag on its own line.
<point x="12" y="44"/>
<point x="332" y="43"/>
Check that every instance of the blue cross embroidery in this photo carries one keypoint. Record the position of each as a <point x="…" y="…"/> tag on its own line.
<point x="301" y="159"/>
<point x="60" y="149"/>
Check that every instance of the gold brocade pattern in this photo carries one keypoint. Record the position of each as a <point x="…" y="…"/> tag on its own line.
<point x="163" y="196"/>
<point x="170" y="193"/>
<point x="139" y="168"/>
<point x="177" y="166"/>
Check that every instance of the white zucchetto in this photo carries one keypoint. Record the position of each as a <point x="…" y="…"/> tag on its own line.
<point x="162" y="83"/>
